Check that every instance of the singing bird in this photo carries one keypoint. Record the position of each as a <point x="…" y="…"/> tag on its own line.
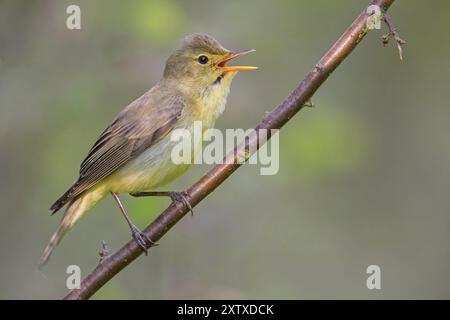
<point x="133" y="154"/>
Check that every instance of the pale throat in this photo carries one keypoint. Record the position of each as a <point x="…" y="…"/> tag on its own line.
<point x="210" y="102"/>
<point x="214" y="98"/>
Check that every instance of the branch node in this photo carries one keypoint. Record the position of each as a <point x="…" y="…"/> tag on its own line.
<point x="318" y="68"/>
<point x="104" y="252"/>
<point x="309" y="104"/>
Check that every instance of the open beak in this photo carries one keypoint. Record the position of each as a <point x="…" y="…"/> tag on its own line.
<point x="233" y="55"/>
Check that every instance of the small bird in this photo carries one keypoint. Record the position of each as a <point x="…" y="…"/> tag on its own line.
<point x="133" y="154"/>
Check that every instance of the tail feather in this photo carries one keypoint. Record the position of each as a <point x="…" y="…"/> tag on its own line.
<point x="73" y="212"/>
<point x="66" y="197"/>
<point x="77" y="207"/>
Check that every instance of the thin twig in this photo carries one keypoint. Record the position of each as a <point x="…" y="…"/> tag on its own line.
<point x="104" y="252"/>
<point x="393" y="33"/>
<point x="219" y="173"/>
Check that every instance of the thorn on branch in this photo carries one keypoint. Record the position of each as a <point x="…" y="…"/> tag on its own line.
<point x="393" y="33"/>
<point x="309" y="104"/>
<point x="104" y="252"/>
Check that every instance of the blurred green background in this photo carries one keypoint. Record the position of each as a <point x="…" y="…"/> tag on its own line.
<point x="364" y="177"/>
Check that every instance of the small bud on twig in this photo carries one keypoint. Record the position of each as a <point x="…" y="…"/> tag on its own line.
<point x="392" y="34"/>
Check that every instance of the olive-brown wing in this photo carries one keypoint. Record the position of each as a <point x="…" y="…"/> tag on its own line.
<point x="135" y="129"/>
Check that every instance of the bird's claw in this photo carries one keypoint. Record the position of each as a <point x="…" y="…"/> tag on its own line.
<point x="181" y="197"/>
<point x="142" y="239"/>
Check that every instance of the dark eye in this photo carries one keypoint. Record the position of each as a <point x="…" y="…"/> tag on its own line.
<point x="203" y="59"/>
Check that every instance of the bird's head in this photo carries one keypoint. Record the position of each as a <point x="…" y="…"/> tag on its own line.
<point x="201" y="62"/>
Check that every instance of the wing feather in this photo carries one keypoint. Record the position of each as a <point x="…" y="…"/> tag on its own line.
<point x="138" y="127"/>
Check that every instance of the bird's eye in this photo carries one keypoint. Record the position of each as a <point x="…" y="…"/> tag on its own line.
<point x="203" y="59"/>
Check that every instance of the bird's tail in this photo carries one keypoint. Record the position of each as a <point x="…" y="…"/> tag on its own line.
<point x="75" y="210"/>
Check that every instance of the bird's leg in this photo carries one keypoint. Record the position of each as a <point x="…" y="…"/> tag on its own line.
<point x="175" y="196"/>
<point x="138" y="235"/>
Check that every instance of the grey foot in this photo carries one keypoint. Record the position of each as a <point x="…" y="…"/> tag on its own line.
<point x="181" y="197"/>
<point x="142" y="240"/>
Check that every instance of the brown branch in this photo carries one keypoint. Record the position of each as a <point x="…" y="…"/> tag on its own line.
<point x="296" y="100"/>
